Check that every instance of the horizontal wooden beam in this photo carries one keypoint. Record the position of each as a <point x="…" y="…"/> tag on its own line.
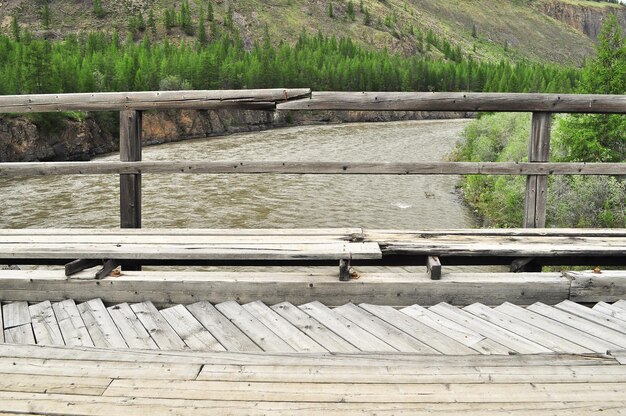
<point x="310" y="168"/>
<point x="396" y="289"/>
<point x="449" y="101"/>
<point x="150" y="100"/>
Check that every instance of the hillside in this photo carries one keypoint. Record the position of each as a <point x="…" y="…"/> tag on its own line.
<point x="540" y="30"/>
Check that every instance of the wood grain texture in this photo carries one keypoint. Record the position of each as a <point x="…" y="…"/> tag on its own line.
<point x="17" y="169"/>
<point x="445" y="101"/>
<point x="45" y="326"/>
<point x="149" y="100"/>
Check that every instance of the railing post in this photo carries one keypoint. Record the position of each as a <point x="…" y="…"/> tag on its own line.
<point x="130" y="184"/>
<point x="537" y="185"/>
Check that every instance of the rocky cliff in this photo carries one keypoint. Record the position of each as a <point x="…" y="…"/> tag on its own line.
<point x="586" y="19"/>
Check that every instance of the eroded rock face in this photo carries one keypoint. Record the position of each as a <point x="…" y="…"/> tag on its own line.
<point x="585" y="19"/>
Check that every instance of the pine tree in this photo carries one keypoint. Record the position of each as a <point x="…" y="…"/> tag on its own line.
<point x="351" y="15"/>
<point x="15" y="28"/>
<point x="97" y="9"/>
<point x="209" y="11"/>
<point x="331" y="13"/>
<point x="599" y="137"/>
<point x="45" y="16"/>
<point x="152" y="23"/>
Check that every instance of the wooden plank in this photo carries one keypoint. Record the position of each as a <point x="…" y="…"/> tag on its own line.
<point x="131" y="329"/>
<point x="149" y="100"/>
<point x="610" y="310"/>
<point x="433" y="267"/>
<point x="231" y="337"/>
<point x="607" y="286"/>
<point x="598" y="331"/>
<point x="315" y="330"/>
<point x="100" y="326"/>
<point x="401" y="375"/>
<point x="45" y="326"/>
<point x="557" y="328"/>
<point x="2" y="331"/>
<point x="620" y="304"/>
<point x="19" y="169"/>
<point x="339" y="360"/>
<point x="93" y="368"/>
<point x="15" y="314"/>
<point x="53" y="384"/>
<point x="378" y="234"/>
<point x="394" y="289"/>
<point x="350" y="392"/>
<point x="71" y="324"/>
<point x="298" y="340"/>
<point x="48" y="403"/>
<point x="456" y="331"/>
<point x="521" y="328"/>
<point x="203" y="232"/>
<point x="22" y="334"/>
<point x="494" y="332"/>
<point x="343" y="327"/>
<point x="158" y="328"/>
<point x="253" y="328"/>
<point x="537" y="185"/>
<point x="227" y="252"/>
<point x="130" y="184"/>
<point x="458" y="101"/>
<point x="592" y="315"/>
<point x="418" y="330"/>
<point x="190" y="330"/>
<point x="398" y="339"/>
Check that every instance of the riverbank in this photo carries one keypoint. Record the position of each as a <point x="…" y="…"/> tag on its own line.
<point x="79" y="137"/>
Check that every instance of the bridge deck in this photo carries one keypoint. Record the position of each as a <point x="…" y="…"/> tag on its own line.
<point x="309" y="359"/>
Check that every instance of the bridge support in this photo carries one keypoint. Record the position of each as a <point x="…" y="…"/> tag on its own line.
<point x="537" y="185"/>
<point x="130" y="184"/>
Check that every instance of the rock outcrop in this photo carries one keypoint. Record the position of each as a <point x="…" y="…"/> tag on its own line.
<point x="585" y="19"/>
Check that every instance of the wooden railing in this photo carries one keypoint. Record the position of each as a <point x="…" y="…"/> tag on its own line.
<point x="131" y="105"/>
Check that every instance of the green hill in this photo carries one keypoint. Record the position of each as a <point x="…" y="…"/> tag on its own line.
<point x="539" y="30"/>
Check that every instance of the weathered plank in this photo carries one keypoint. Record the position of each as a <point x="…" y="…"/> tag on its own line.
<point x="612" y="311"/>
<point x="253" y="328"/>
<point x="71" y="324"/>
<point x="316" y="331"/>
<point x="15" y="314"/>
<point x="131" y="329"/>
<point x="98" y="368"/>
<point x="352" y="333"/>
<point x="18" y="169"/>
<point x="149" y="100"/>
<point x="130" y="184"/>
<point x="398" y="339"/>
<point x="394" y="289"/>
<point x="525" y="330"/>
<point x="418" y="330"/>
<point x="50" y="403"/>
<point x="158" y="328"/>
<point x="589" y="327"/>
<point x="458" y="101"/>
<point x="1" y="331"/>
<point x="191" y="251"/>
<point x="190" y="330"/>
<point x="350" y="392"/>
<point x="229" y="335"/>
<point x="454" y="330"/>
<point x="45" y="326"/>
<point x="592" y="315"/>
<point x="298" y="340"/>
<point x="607" y="286"/>
<point x="494" y="332"/>
<point x="54" y="384"/>
<point x="100" y="326"/>
<point x="557" y="328"/>
<point x="22" y="334"/>
<point x="537" y="185"/>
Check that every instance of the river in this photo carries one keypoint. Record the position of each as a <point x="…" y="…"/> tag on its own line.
<point x="256" y="201"/>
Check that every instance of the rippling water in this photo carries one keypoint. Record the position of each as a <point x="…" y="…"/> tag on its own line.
<point x="253" y="201"/>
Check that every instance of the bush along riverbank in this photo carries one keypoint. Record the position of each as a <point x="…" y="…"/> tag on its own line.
<point x="573" y="201"/>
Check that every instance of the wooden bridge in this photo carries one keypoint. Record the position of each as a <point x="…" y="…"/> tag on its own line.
<point x="358" y="326"/>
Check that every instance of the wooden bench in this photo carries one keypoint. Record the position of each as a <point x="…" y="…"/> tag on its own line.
<point x="84" y="248"/>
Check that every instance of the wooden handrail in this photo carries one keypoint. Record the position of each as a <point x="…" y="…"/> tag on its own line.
<point x="17" y="169"/>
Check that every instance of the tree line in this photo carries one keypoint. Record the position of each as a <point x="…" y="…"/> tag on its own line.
<point x="99" y="61"/>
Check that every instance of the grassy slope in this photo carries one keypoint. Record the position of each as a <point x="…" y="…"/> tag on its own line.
<point x="528" y="33"/>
